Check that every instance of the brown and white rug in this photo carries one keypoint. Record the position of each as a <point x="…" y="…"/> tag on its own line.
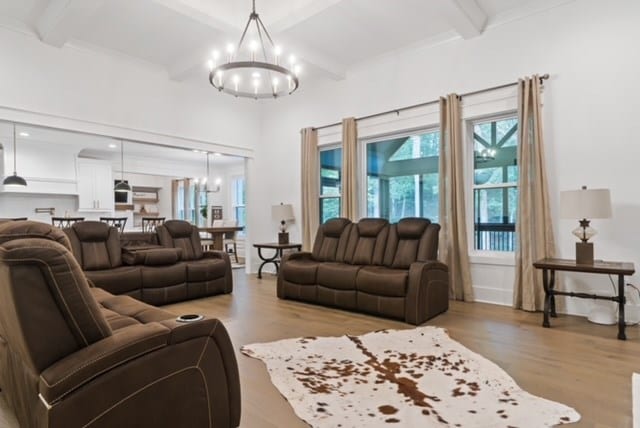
<point x="409" y="378"/>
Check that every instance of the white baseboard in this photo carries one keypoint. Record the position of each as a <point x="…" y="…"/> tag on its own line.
<point x="493" y="295"/>
<point x="635" y="387"/>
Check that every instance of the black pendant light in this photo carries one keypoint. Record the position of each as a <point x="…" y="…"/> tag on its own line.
<point x="14" y="180"/>
<point x="122" y="185"/>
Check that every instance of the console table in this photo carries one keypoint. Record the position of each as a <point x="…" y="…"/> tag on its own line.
<point x="275" y="259"/>
<point x="549" y="268"/>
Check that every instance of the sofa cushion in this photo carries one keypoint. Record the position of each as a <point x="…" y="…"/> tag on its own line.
<point x="95" y="245"/>
<point x="151" y="257"/>
<point x="181" y="234"/>
<point x="367" y="242"/>
<point x="338" y="276"/>
<point x="31" y="229"/>
<point x="163" y="276"/>
<point x="117" y="280"/>
<point x="331" y="240"/>
<point x="206" y="270"/>
<point x="382" y="281"/>
<point x="302" y="271"/>
<point x="123" y="311"/>
<point x="411" y="240"/>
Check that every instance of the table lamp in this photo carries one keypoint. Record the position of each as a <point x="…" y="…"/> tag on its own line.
<point x="282" y="213"/>
<point x="584" y="205"/>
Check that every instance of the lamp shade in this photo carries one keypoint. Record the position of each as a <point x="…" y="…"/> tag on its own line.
<point x="14" y="181"/>
<point x="282" y="212"/>
<point x="585" y="203"/>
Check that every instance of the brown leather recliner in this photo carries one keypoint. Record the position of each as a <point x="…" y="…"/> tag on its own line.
<point x="207" y="271"/>
<point x="371" y="266"/>
<point x="76" y="356"/>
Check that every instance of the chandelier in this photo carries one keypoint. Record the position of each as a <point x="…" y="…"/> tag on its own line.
<point x="255" y="72"/>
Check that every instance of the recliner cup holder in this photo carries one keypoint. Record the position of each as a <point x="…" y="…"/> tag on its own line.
<point x="189" y="318"/>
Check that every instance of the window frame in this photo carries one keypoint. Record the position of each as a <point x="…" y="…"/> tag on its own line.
<point x="325" y="148"/>
<point x="483" y="256"/>
<point x="362" y="157"/>
<point x="234" y="199"/>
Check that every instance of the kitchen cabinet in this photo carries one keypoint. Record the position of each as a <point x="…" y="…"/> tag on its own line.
<point x="95" y="185"/>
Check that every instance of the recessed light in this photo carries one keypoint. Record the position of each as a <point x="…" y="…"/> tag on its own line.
<point x="24" y="134"/>
<point x="195" y="151"/>
<point x="217" y="154"/>
<point x="112" y="146"/>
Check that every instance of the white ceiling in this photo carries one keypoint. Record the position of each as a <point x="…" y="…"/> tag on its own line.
<point x="328" y="36"/>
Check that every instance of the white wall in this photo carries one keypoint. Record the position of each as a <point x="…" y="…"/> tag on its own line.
<point x="83" y="90"/>
<point x="591" y="104"/>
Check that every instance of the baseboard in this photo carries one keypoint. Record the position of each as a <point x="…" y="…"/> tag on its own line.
<point x="493" y="295"/>
<point x="635" y="387"/>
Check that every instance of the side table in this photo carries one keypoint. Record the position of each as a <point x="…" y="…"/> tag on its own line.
<point x="275" y="259"/>
<point x="549" y="268"/>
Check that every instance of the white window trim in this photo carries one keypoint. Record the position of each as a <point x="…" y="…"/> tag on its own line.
<point x="325" y="148"/>
<point x="362" y="157"/>
<point x="234" y="199"/>
<point x="505" y="258"/>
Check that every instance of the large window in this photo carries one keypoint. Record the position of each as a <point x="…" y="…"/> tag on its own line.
<point x="402" y="176"/>
<point x="495" y="183"/>
<point x="239" y="198"/>
<point x="330" y="183"/>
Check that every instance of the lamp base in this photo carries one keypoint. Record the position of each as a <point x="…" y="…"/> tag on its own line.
<point x="283" y="238"/>
<point x="584" y="253"/>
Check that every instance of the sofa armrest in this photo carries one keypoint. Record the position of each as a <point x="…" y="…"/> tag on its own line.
<point x="215" y="254"/>
<point x="151" y="256"/>
<point x="428" y="291"/>
<point x="222" y="255"/>
<point x="197" y="357"/>
<point x="295" y="256"/>
<point x="76" y="369"/>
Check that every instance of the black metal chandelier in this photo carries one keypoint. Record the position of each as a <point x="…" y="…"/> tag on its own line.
<point x="256" y="73"/>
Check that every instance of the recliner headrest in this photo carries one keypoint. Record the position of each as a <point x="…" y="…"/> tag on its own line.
<point x="412" y="227"/>
<point x="371" y="227"/>
<point x="24" y="229"/>
<point x="335" y="226"/>
<point x="88" y="231"/>
<point x="178" y="228"/>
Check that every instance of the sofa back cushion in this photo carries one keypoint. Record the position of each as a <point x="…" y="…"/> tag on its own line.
<point x="411" y="240"/>
<point x="32" y="229"/>
<point x="331" y="240"/>
<point x="183" y="235"/>
<point x="95" y="244"/>
<point x="367" y="241"/>
<point x="46" y="308"/>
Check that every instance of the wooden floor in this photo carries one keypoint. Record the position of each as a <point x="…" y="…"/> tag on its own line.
<point x="576" y="363"/>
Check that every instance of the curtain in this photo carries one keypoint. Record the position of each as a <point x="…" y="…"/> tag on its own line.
<point x="187" y="199"/>
<point x="349" y="169"/>
<point x="174" y="198"/>
<point x="534" y="229"/>
<point x="310" y="187"/>
<point x="453" y="249"/>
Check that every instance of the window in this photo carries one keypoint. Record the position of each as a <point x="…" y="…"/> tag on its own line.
<point x="190" y="194"/>
<point x="239" y="198"/>
<point x="402" y="176"/>
<point x="330" y="183"/>
<point x="495" y="183"/>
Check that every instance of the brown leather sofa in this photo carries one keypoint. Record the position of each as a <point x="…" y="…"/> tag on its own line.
<point x="72" y="355"/>
<point x="371" y="266"/>
<point x="150" y="273"/>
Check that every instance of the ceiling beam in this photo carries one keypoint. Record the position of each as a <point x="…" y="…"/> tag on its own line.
<point x="300" y="15"/>
<point x="62" y="18"/>
<point x="466" y="16"/>
<point x="199" y="16"/>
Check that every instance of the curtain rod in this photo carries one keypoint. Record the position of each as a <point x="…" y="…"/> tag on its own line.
<point x="398" y="110"/>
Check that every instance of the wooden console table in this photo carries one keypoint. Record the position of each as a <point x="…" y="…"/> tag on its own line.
<point x="275" y="259"/>
<point x="549" y="268"/>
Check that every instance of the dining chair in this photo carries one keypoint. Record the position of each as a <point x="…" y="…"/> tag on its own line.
<point x="230" y="238"/>
<point x="65" y="222"/>
<point x="149" y="224"/>
<point x="117" y="222"/>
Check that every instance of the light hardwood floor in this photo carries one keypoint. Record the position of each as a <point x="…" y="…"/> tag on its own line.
<point x="575" y="362"/>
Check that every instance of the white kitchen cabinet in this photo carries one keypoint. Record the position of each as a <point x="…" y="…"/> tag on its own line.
<point x="95" y="185"/>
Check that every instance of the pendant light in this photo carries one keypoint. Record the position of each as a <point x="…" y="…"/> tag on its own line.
<point x="122" y="186"/>
<point x="14" y="180"/>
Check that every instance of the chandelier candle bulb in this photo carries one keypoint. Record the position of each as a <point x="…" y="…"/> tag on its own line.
<point x="211" y="65"/>
<point x="277" y="51"/>
<point x="229" y="52"/>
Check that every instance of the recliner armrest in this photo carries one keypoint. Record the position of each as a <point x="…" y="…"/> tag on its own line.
<point x="428" y="291"/>
<point x="296" y="256"/>
<point x="76" y="369"/>
<point x="214" y="254"/>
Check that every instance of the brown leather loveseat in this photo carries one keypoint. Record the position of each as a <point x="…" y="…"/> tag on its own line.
<point x="72" y="355"/>
<point x="152" y="274"/>
<point x="371" y="266"/>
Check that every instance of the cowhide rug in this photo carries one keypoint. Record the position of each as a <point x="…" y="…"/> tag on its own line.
<point x="408" y="378"/>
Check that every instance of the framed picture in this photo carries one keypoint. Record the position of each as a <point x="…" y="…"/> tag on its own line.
<point x="216" y="213"/>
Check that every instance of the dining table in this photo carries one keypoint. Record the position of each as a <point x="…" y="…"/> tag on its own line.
<point x="217" y="234"/>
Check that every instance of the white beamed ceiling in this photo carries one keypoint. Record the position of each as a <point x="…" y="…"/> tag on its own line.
<point x="328" y="36"/>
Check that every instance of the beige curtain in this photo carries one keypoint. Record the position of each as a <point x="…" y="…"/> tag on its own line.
<point x="349" y="169"/>
<point x="453" y="249"/>
<point x="175" y="184"/>
<point x="310" y="187"/>
<point x="534" y="232"/>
